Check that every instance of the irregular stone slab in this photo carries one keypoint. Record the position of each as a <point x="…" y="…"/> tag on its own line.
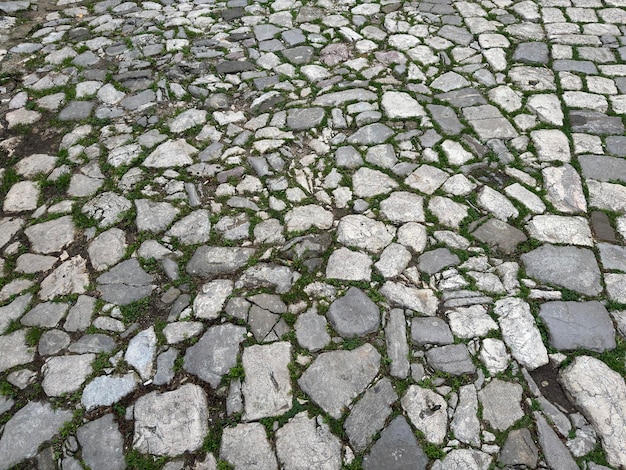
<point x="354" y="314"/>
<point x="13" y="311"/>
<point x="53" y="342"/>
<point x="547" y="107"/>
<point x="69" y="278"/>
<point x="552" y="145"/>
<point x="47" y="314"/>
<point x="22" y="196"/>
<point x="520" y="333"/>
<point x="192" y="229"/>
<point x="141" y="352"/>
<point x="371" y="134"/>
<point x="578" y="325"/>
<point x="500" y="235"/>
<point x="607" y="196"/>
<point x="401" y="105"/>
<point x="303" y="444"/>
<point x="215" y="353"/>
<point x="170" y="154"/>
<point x="154" y="216"/>
<point x="305" y="118"/>
<point x="426" y="179"/>
<point x="556" y="454"/>
<point x="496" y="203"/>
<point x="564" y="188"/>
<point x="349" y="265"/>
<point x="264" y="275"/>
<point x="594" y="122"/>
<point x="76" y="111"/>
<point x="560" y="229"/>
<point x="565" y="266"/>
<point x="51" y="236"/>
<point x="368" y="416"/>
<point x="397" y="449"/>
<point x="311" y="331"/>
<point x="335" y="378"/>
<point x="452" y="359"/>
<point x="465" y="424"/>
<point x="107" y="249"/>
<point x="267" y="385"/>
<point x="339" y="98"/>
<point x="612" y="256"/>
<point x="428" y="412"/>
<point x="600" y="393"/>
<point x="402" y="206"/>
<point x="421" y="301"/>
<point x="102" y="444"/>
<point x="362" y="232"/>
<point x="302" y="218"/>
<point x="397" y="345"/>
<point x="15" y="351"/>
<point x="501" y="404"/>
<point x="489" y="123"/>
<point x="471" y="322"/>
<point x="468" y="459"/>
<point x="430" y="330"/>
<point x="125" y="283"/>
<point x="519" y="449"/>
<point x="435" y="260"/>
<point x="210" y="300"/>
<point x="65" y="374"/>
<point x="30" y="427"/>
<point x="603" y="167"/>
<point x="107" y="208"/>
<point x="106" y="390"/>
<point x="171" y="423"/>
<point x="246" y="447"/>
<point x="367" y="183"/>
<point x="188" y="119"/>
<point x="209" y="261"/>
<point x="95" y="343"/>
<point x="494" y="355"/>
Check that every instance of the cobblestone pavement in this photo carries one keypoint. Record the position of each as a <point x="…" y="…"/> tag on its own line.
<point x="313" y="234"/>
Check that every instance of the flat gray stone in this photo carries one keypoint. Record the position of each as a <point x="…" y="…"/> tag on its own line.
<point x="14" y="310"/>
<point x="66" y="374"/>
<point x="401" y="105"/>
<point x="600" y="394"/>
<point x="108" y="389"/>
<point x="603" y="167"/>
<point x="267" y="384"/>
<point x="430" y="330"/>
<point x="107" y="249"/>
<point x="397" y="449"/>
<point x="369" y="414"/>
<point x="76" y="111"/>
<point x="354" y="314"/>
<point x="566" y="266"/>
<point x="519" y="449"/>
<point x="107" y="208"/>
<point x="371" y="134"/>
<point x="594" y="122"/>
<point x="339" y="98"/>
<point x="305" y="118"/>
<point x="211" y="297"/>
<point x="335" y="378"/>
<point x="531" y="53"/>
<point x="171" y="423"/>
<point x="208" y="261"/>
<point x="465" y="424"/>
<point x="359" y="231"/>
<point x="154" y="216"/>
<point x="469" y="459"/>
<point x="452" y="359"/>
<point x="193" y="229"/>
<point x="172" y="153"/>
<point x="125" y="283"/>
<point x="30" y="427"/>
<point x="367" y="183"/>
<point x="165" y="367"/>
<point x="616" y="145"/>
<point x="556" y="454"/>
<point x="431" y="262"/>
<point x="47" y="314"/>
<point x="94" y="343"/>
<point x="141" y="353"/>
<point x="501" y="404"/>
<point x="265" y="275"/>
<point x="302" y="443"/>
<point x="578" y="325"/>
<point x="422" y="301"/>
<point x="489" y="123"/>
<point x="71" y="277"/>
<point x="102" y="444"/>
<point x="23" y="196"/>
<point x="51" y="236"/>
<point x="397" y="345"/>
<point x="564" y="188"/>
<point x="15" y="350"/>
<point x="53" y="342"/>
<point x="402" y="206"/>
<point x="311" y="331"/>
<point x="246" y="447"/>
<point x="427" y="411"/>
<point x="215" y="353"/>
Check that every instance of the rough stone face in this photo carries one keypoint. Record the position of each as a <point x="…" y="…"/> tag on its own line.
<point x="578" y="325"/>
<point x="368" y="416"/>
<point x="397" y="345"/>
<point x="362" y="232"/>
<point x="171" y="423"/>
<point x="501" y="404"/>
<point x="52" y="236"/>
<point x="102" y="444"/>
<point x="469" y="459"/>
<point x="210" y="300"/>
<point x="556" y="454"/>
<point x="335" y="378"/>
<point x="600" y="393"/>
<point x="465" y="424"/>
<point x="420" y="300"/>
<point x="427" y="411"/>
<point x="302" y="218"/>
<point x="349" y="265"/>
<point x="15" y="351"/>
<point x="302" y="444"/>
<point x="519" y="449"/>
<point x="311" y="331"/>
<point x="267" y="385"/>
<point x="106" y="390"/>
<point x="65" y="374"/>
<point x="397" y="449"/>
<point x="452" y="359"/>
<point x="400" y="105"/>
<point x="215" y="353"/>
<point x="520" y="333"/>
<point x="354" y="314"/>
<point x="30" y="427"/>
<point x="141" y="353"/>
<point x="246" y="447"/>
<point x="566" y="266"/>
<point x="401" y="207"/>
<point x="172" y="153"/>
<point x="69" y="278"/>
<point x="208" y="261"/>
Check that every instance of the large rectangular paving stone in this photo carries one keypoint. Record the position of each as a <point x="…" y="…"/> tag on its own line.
<point x="603" y="167"/>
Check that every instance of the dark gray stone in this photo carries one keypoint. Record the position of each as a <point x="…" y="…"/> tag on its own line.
<point x="125" y="283"/>
<point x="76" y="111"/>
<point x="593" y="122"/>
<point x="578" y="325"/>
<point x="463" y="97"/>
<point x="519" y="449"/>
<point x="502" y="236"/>
<point x="102" y="444"/>
<point x="215" y="353"/>
<point x="368" y="416"/>
<point x="531" y="53"/>
<point x="305" y="118"/>
<point x="95" y="343"/>
<point x="397" y="449"/>
<point x="134" y="102"/>
<point x="433" y="261"/>
<point x="430" y="330"/>
<point x="354" y="314"/>
<point x="601" y="226"/>
<point x="299" y="55"/>
<point x="209" y="261"/>
<point x="566" y="266"/>
<point x="446" y="118"/>
<point x="556" y="454"/>
<point x="452" y="359"/>
<point x="603" y="167"/>
<point x="577" y="66"/>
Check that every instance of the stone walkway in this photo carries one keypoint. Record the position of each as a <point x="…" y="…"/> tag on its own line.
<point x="313" y="234"/>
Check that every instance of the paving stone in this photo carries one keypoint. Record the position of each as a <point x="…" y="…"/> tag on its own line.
<point x="70" y="277"/>
<point x="28" y="429"/>
<point x="431" y="330"/>
<point x="171" y="423"/>
<point x="397" y="345"/>
<point x="427" y="411"/>
<point x="107" y="390"/>
<point x="141" y="353"/>
<point x="354" y="314"/>
<point x="52" y="236"/>
<point x="66" y="374"/>
<point x="193" y="229"/>
<point x="102" y="444"/>
<point x="397" y="448"/>
<point x="451" y="359"/>
<point x="246" y="447"/>
<point x="464" y="458"/>
<point x="107" y="249"/>
<point x="213" y="260"/>
<point x="567" y="266"/>
<point x="93" y="343"/>
<point x="564" y="189"/>
<point x="501" y="404"/>
<point x="335" y="378"/>
<point x="519" y="449"/>
<point x="125" y="283"/>
<point x="555" y="452"/>
<point x="52" y="342"/>
<point x="311" y="331"/>
<point x="211" y="298"/>
<point x="465" y="424"/>
<point x="349" y="265"/>
<point x="431" y="262"/>
<point x="471" y="322"/>
<point x="420" y="300"/>
<point x="502" y="236"/>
